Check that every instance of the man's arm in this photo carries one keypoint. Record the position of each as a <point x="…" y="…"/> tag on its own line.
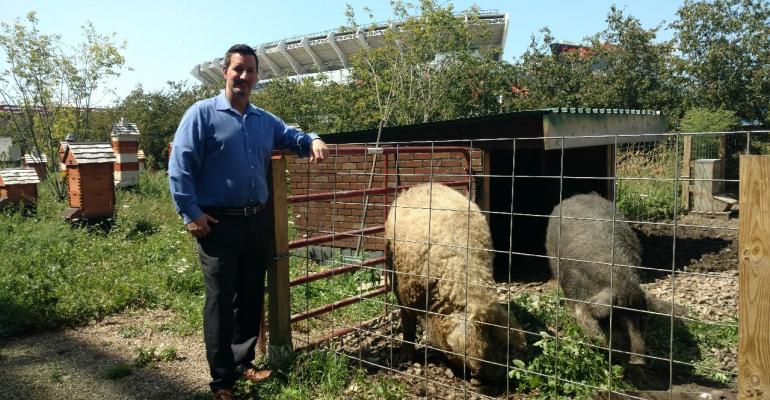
<point x="301" y="143"/>
<point x="185" y="159"/>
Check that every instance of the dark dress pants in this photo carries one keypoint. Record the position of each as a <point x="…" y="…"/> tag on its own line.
<point x="233" y="258"/>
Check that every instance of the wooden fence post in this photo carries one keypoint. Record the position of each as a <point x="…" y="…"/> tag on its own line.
<point x="280" y="349"/>
<point x="754" y="281"/>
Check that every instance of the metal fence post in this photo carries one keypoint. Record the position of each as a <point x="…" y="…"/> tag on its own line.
<point x="686" y="171"/>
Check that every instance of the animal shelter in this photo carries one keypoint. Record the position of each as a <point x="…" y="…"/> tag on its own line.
<point x="473" y="279"/>
<point x="529" y="145"/>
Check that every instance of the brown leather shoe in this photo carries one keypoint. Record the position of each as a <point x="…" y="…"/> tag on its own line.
<point x="223" y="394"/>
<point x="256" y="375"/>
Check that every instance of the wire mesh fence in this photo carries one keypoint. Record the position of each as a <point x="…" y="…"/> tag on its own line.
<point x="492" y="291"/>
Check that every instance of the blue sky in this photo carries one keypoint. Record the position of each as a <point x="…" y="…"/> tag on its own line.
<point x="166" y="38"/>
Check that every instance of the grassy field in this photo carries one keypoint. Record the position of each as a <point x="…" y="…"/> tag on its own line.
<point x="53" y="274"/>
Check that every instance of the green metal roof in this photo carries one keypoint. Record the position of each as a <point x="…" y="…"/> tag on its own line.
<point x="586" y="110"/>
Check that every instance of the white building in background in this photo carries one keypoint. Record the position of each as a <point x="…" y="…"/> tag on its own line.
<point x="9" y="152"/>
<point x="328" y="52"/>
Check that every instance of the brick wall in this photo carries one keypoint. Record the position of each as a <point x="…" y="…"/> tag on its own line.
<point x="352" y="172"/>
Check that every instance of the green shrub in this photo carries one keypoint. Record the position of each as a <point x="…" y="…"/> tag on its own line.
<point x="566" y="366"/>
<point x="708" y="120"/>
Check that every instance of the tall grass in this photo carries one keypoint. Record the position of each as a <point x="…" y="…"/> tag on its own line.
<point x="54" y="274"/>
<point x="323" y="375"/>
<point x="646" y="185"/>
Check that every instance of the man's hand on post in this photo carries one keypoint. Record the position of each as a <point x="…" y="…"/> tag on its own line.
<point x="318" y="151"/>
<point x="199" y="227"/>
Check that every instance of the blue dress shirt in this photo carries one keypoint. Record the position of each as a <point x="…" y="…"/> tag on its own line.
<point x="219" y="158"/>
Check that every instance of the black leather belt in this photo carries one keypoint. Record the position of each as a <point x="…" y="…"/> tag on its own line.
<point x="235" y="211"/>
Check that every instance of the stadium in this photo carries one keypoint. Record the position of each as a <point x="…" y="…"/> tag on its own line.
<point x="328" y="52"/>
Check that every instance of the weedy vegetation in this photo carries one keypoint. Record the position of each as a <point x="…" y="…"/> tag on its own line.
<point x="646" y="187"/>
<point x="117" y="371"/>
<point x="54" y="274"/>
<point x="323" y="374"/>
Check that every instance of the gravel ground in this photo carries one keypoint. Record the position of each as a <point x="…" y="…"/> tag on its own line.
<point x="72" y="363"/>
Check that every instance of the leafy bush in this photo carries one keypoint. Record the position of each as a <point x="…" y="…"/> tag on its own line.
<point x="707" y="120"/>
<point x="567" y="366"/>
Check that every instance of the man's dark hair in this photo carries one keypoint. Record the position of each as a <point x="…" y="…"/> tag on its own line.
<point x="242" y="49"/>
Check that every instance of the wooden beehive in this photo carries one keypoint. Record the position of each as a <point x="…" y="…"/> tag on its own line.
<point x="142" y="160"/>
<point x="38" y="163"/>
<point x="18" y="185"/>
<point x="62" y="153"/>
<point x="125" y="144"/>
<point x="91" y="188"/>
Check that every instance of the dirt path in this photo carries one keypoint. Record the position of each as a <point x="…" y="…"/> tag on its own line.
<point x="74" y="363"/>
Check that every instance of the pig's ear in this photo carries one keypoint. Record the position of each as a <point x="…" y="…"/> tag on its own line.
<point x="599" y="305"/>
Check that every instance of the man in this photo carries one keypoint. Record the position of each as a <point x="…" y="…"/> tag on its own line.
<point x="217" y="173"/>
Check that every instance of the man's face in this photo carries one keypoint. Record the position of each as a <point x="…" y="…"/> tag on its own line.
<point x="241" y="75"/>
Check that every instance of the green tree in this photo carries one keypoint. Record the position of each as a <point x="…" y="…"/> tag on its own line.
<point x="157" y="115"/>
<point x="96" y="60"/>
<point x="548" y="78"/>
<point x="705" y="120"/>
<point x="428" y="69"/>
<point x="726" y="58"/>
<point x="636" y="70"/>
<point x="51" y="85"/>
<point x="33" y="81"/>
<point x="623" y="66"/>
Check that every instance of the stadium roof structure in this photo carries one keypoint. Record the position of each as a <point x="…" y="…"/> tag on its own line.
<point x="328" y="52"/>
